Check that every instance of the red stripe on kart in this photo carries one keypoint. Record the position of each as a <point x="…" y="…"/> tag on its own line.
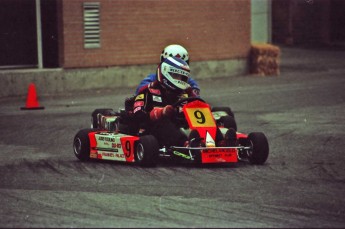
<point x="93" y="145"/>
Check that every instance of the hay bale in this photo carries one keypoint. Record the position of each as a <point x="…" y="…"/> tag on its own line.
<point x="264" y="59"/>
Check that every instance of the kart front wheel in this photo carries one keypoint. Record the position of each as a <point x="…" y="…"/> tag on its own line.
<point x="228" y="122"/>
<point x="258" y="153"/>
<point x="146" y="151"/>
<point x="81" y="144"/>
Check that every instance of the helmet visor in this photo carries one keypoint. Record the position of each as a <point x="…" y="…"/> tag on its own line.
<point x="177" y="76"/>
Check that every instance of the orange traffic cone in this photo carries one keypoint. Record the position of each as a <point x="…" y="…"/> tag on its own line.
<point x="31" y="100"/>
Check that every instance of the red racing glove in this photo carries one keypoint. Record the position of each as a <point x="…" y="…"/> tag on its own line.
<point x="159" y="112"/>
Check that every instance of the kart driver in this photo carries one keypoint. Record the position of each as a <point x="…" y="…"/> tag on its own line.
<point x="170" y="50"/>
<point x="153" y="104"/>
<point x="173" y="50"/>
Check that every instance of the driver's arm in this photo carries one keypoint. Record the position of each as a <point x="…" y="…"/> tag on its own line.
<point x="194" y="85"/>
<point x="143" y="109"/>
<point x="145" y="82"/>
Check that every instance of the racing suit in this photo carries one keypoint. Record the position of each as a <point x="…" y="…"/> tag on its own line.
<point x="155" y="98"/>
<point x="153" y="77"/>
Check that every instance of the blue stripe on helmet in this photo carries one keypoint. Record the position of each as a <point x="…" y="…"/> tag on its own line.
<point x="173" y="63"/>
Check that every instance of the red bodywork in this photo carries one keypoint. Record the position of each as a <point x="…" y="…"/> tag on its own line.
<point x="199" y="117"/>
<point x="121" y="147"/>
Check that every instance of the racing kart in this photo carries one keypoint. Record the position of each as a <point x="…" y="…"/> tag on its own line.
<point x="113" y="137"/>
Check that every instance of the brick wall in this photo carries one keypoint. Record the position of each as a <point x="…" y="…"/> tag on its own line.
<point x="135" y="31"/>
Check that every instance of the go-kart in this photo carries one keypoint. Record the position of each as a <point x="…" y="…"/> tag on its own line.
<point x="113" y="137"/>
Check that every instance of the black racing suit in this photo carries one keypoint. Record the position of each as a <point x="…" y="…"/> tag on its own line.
<point x="164" y="129"/>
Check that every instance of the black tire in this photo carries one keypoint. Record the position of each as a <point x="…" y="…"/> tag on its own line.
<point x="226" y="109"/>
<point x="103" y="111"/>
<point x="228" y="122"/>
<point x="195" y="141"/>
<point x="231" y="138"/>
<point x="260" y="149"/>
<point x="81" y="144"/>
<point x="146" y="151"/>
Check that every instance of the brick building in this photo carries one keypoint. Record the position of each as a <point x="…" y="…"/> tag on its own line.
<point x="69" y="45"/>
<point x="128" y="32"/>
<point x="101" y="43"/>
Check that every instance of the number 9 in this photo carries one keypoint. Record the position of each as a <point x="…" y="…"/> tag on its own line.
<point x="128" y="148"/>
<point x="200" y="117"/>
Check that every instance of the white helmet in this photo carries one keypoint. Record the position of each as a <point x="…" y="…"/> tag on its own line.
<point x="175" y="50"/>
<point x="173" y="74"/>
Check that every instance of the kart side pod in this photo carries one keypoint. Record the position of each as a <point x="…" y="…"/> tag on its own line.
<point x="106" y="145"/>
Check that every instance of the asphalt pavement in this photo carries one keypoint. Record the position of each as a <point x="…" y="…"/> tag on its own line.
<point x="302" y="184"/>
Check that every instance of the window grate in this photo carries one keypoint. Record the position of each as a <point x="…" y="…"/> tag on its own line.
<point x="92" y="31"/>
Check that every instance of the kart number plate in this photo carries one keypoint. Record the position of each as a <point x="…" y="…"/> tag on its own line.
<point x="200" y="117"/>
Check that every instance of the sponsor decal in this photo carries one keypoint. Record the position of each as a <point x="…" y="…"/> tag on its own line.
<point x="219" y="155"/>
<point x="107" y="139"/>
<point x="155" y="91"/>
<point x="181" y="155"/>
<point x="107" y="154"/>
<point x="116" y="145"/>
<point x="181" y="82"/>
<point x="157" y="98"/>
<point x="139" y="104"/>
<point x="114" y="155"/>
<point x="221" y="150"/>
<point x="140" y="97"/>
<point x="179" y="71"/>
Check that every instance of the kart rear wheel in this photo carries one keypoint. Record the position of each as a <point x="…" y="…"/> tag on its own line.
<point x="228" y="122"/>
<point x="103" y="111"/>
<point x="81" y="144"/>
<point x="260" y="149"/>
<point x="146" y="151"/>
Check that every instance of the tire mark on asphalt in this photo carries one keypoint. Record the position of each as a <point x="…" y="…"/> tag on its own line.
<point x="327" y="171"/>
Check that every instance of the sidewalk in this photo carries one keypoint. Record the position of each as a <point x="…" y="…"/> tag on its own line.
<point x="60" y="81"/>
<point x="309" y="60"/>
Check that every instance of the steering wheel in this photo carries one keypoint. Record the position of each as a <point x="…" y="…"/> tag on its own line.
<point x="184" y="101"/>
<point x="179" y="117"/>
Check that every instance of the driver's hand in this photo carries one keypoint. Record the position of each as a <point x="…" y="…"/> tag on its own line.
<point x="159" y="112"/>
